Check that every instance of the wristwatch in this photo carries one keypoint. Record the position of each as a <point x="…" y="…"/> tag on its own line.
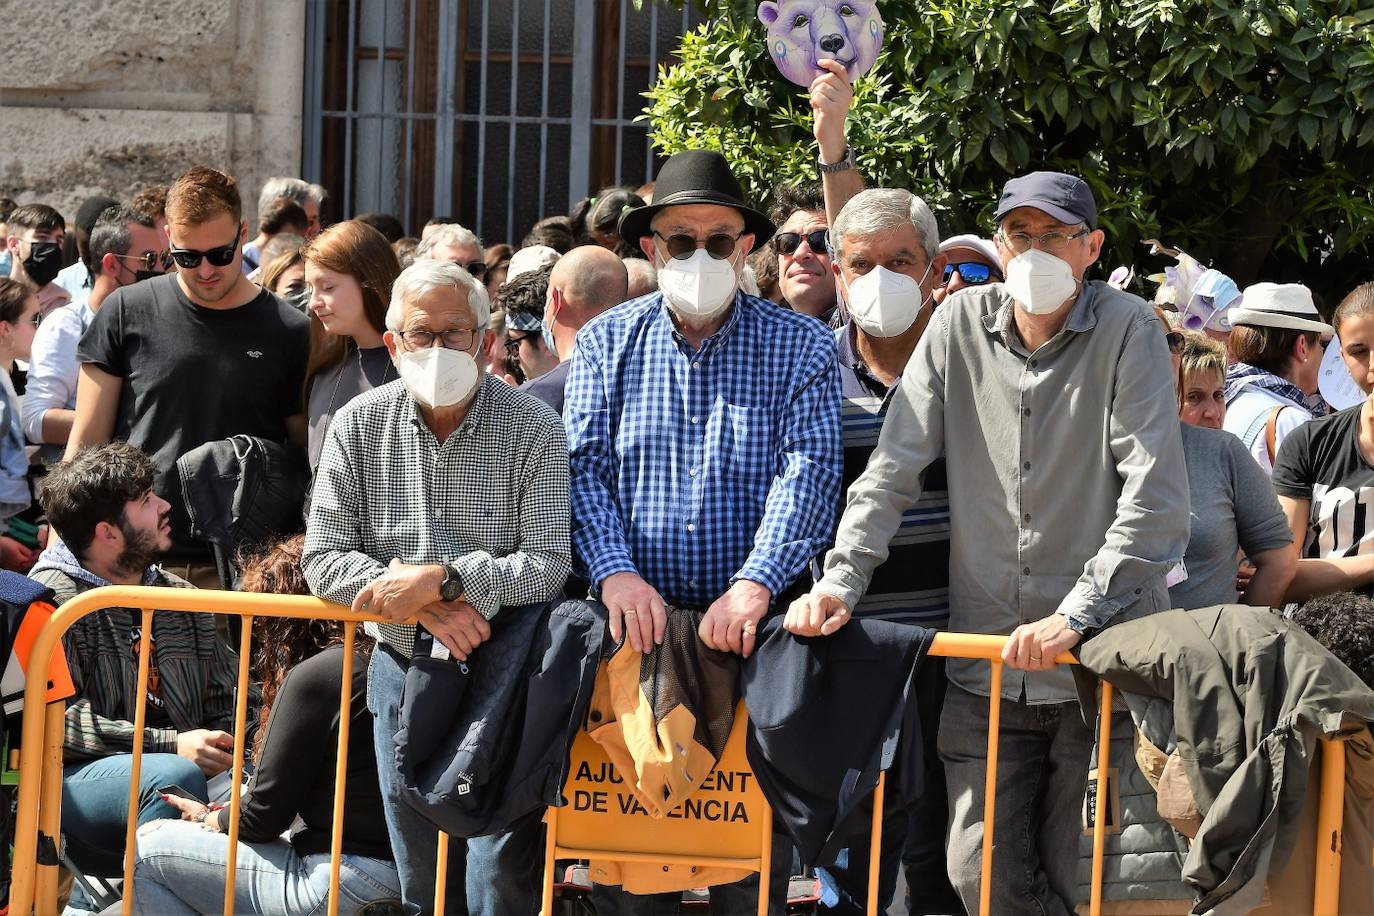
<point x="451" y="589"/>
<point x="846" y="162"/>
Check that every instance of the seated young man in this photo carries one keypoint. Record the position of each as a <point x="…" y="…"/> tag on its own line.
<point x="111" y="528"/>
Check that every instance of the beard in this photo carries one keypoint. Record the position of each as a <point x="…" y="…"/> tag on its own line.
<point x="141" y="549"/>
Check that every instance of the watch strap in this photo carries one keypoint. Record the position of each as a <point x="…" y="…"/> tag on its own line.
<point x="846" y="162"/>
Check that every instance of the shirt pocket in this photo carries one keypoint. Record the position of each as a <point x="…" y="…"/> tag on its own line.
<point x="746" y="451"/>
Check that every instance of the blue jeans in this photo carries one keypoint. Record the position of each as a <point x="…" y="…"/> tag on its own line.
<point x="1042" y="768"/>
<point x="181" y="869"/>
<point x="95" y="804"/>
<point x="738" y="899"/>
<point x="487" y="876"/>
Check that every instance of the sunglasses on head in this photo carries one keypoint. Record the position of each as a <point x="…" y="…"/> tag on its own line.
<point x="972" y="272"/>
<point x="719" y="246"/>
<point x="788" y="242"/>
<point x="190" y="258"/>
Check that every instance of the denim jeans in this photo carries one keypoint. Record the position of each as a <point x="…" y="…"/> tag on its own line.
<point x="913" y="835"/>
<point x="738" y="899"/>
<point x="1043" y="759"/>
<point x="181" y="869"/>
<point x="95" y="804"/>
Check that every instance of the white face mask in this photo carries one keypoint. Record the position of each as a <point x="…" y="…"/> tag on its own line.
<point x="883" y="302"/>
<point x="699" y="287"/>
<point x="438" y="376"/>
<point x="1040" y="281"/>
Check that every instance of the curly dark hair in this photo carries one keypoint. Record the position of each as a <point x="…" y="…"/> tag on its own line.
<point x="789" y="198"/>
<point x="1344" y="624"/>
<point x="285" y="642"/>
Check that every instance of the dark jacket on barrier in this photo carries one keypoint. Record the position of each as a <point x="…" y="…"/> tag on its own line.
<point x="826" y="715"/>
<point x="1251" y="693"/>
<point x="486" y="742"/>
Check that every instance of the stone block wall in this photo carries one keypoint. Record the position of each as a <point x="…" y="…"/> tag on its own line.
<point x="111" y="96"/>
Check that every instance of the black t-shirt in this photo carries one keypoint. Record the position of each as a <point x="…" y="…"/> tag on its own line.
<point x="295" y="773"/>
<point x="1320" y="461"/>
<point x="194" y="375"/>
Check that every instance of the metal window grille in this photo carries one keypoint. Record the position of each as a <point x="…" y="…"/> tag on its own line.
<point x="496" y="112"/>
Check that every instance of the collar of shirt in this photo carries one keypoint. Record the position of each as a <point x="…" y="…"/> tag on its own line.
<point x="852" y="364"/>
<point x="1082" y="317"/>
<point x="716" y="340"/>
<point x="471" y="422"/>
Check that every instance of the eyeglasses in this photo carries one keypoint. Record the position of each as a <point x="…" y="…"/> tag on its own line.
<point x="719" y="246"/>
<point x="152" y="261"/>
<point x="1050" y="241"/>
<point x="478" y="269"/>
<point x="971" y="272"/>
<point x="788" y="242"/>
<point x="190" y="258"/>
<point x="1175" y="341"/>
<point x="513" y="343"/>
<point x="453" y="338"/>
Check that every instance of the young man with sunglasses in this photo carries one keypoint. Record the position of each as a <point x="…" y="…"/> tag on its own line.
<point x="1054" y="397"/>
<point x="804" y="274"/>
<point x="969" y="261"/>
<point x="196" y="356"/>
<point x="123" y="248"/>
<point x="704" y="436"/>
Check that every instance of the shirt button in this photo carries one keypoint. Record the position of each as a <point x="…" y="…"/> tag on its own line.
<point x="1031" y="364"/>
<point x="695" y="420"/>
<point x="1139" y="590"/>
<point x="692" y="472"/>
<point x="1026" y="411"/>
<point x="1026" y="517"/>
<point x="691" y="527"/>
<point x="1026" y="571"/>
<point x="1026" y="466"/>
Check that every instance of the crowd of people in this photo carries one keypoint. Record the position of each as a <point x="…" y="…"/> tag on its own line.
<point x="667" y="401"/>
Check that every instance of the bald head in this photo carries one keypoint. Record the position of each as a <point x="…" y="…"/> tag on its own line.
<point x="590" y="279"/>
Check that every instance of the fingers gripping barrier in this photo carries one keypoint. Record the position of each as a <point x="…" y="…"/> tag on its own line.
<point x="38" y="818"/>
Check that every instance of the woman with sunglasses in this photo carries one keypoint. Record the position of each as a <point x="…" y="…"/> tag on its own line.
<point x="349" y="271"/>
<point x="1233" y="506"/>
<point x="19" y="318"/>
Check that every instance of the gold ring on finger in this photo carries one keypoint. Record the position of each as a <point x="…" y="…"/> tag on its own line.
<point x="628" y="612"/>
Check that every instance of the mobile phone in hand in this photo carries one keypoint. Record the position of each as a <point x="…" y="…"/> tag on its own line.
<point x="179" y="792"/>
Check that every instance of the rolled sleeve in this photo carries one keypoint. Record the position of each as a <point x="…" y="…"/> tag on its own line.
<point x="334" y="563"/>
<point x="800" y="505"/>
<point x="1150" y="530"/>
<point x="913" y="436"/>
<point x="53" y="370"/>
<point x="598" y="539"/>
<point x="536" y="570"/>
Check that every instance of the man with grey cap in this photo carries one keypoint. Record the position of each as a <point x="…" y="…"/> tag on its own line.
<point x="1053" y="396"/>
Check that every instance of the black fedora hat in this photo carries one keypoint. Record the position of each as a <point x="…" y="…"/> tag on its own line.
<point x="696" y="177"/>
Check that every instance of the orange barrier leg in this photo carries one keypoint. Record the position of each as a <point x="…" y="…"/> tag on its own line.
<point x="1326" y="896"/>
<point x="875" y="846"/>
<point x="766" y="860"/>
<point x="550" y="842"/>
<point x="441" y="875"/>
<point x="236" y="786"/>
<point x="145" y="651"/>
<point x="990" y="787"/>
<point x="341" y="769"/>
<point x="1104" y="759"/>
<point x="50" y="812"/>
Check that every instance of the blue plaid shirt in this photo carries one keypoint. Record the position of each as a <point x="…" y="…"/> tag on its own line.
<point x="698" y="468"/>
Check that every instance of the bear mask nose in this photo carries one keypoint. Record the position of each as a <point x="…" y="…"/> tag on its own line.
<point x="832" y="43"/>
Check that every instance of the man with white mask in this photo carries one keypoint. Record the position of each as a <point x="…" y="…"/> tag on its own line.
<point x="442" y="498"/>
<point x="1054" y="398"/>
<point x="704" y="434"/>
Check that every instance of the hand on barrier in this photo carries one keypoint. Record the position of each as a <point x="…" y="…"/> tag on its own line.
<point x="1035" y="646"/>
<point x="207" y="749"/>
<point x="457" y="625"/>
<point x="401" y="592"/>
<point x="831" y="95"/>
<point x="816" y="614"/>
<point x="636" y="610"/>
<point x="732" y="619"/>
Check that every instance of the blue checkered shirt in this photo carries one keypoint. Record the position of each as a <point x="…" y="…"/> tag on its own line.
<point x="698" y="468"/>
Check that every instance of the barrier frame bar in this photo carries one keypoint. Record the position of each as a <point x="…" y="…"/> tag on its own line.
<point x="40" y="789"/>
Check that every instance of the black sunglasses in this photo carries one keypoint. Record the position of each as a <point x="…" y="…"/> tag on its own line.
<point x="788" y="242"/>
<point x="478" y="269"/>
<point x="152" y="261"/>
<point x="972" y="272"/>
<point x="190" y="258"/>
<point x="719" y="246"/>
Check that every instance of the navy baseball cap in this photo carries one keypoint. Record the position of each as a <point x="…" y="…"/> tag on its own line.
<point x="1065" y="197"/>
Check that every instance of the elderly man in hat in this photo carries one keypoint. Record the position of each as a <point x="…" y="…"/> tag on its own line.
<point x="1053" y="397"/>
<point x="703" y="432"/>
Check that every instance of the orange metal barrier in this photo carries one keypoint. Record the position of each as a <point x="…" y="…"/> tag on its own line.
<point x="38" y="817"/>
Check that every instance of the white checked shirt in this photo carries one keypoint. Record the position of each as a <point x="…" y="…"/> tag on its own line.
<point x="491" y="499"/>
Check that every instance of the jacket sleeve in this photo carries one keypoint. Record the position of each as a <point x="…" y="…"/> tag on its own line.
<point x="1150" y="531"/>
<point x="913" y="436"/>
<point x="800" y="506"/>
<point x="333" y="560"/>
<point x="598" y="539"/>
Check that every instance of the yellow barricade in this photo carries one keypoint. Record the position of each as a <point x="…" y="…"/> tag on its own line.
<point x="574" y="832"/>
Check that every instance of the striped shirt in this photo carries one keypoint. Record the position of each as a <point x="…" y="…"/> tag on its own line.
<point x="698" y="467"/>
<point x="913" y="585"/>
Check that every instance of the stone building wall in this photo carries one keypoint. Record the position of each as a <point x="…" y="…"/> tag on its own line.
<point x="110" y="96"/>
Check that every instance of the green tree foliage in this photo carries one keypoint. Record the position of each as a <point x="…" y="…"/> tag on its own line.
<point x="1241" y="131"/>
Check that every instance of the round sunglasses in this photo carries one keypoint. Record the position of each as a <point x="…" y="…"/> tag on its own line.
<point x="719" y="246"/>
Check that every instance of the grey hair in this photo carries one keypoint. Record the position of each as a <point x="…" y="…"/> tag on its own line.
<point x="427" y="275"/>
<point x="449" y="235"/>
<point x="298" y="190"/>
<point x="881" y="209"/>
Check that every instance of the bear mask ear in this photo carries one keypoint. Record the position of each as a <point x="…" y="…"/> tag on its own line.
<point x="768" y="13"/>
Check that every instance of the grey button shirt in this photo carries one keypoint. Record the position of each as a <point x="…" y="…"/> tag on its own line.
<point x="1067" y="486"/>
